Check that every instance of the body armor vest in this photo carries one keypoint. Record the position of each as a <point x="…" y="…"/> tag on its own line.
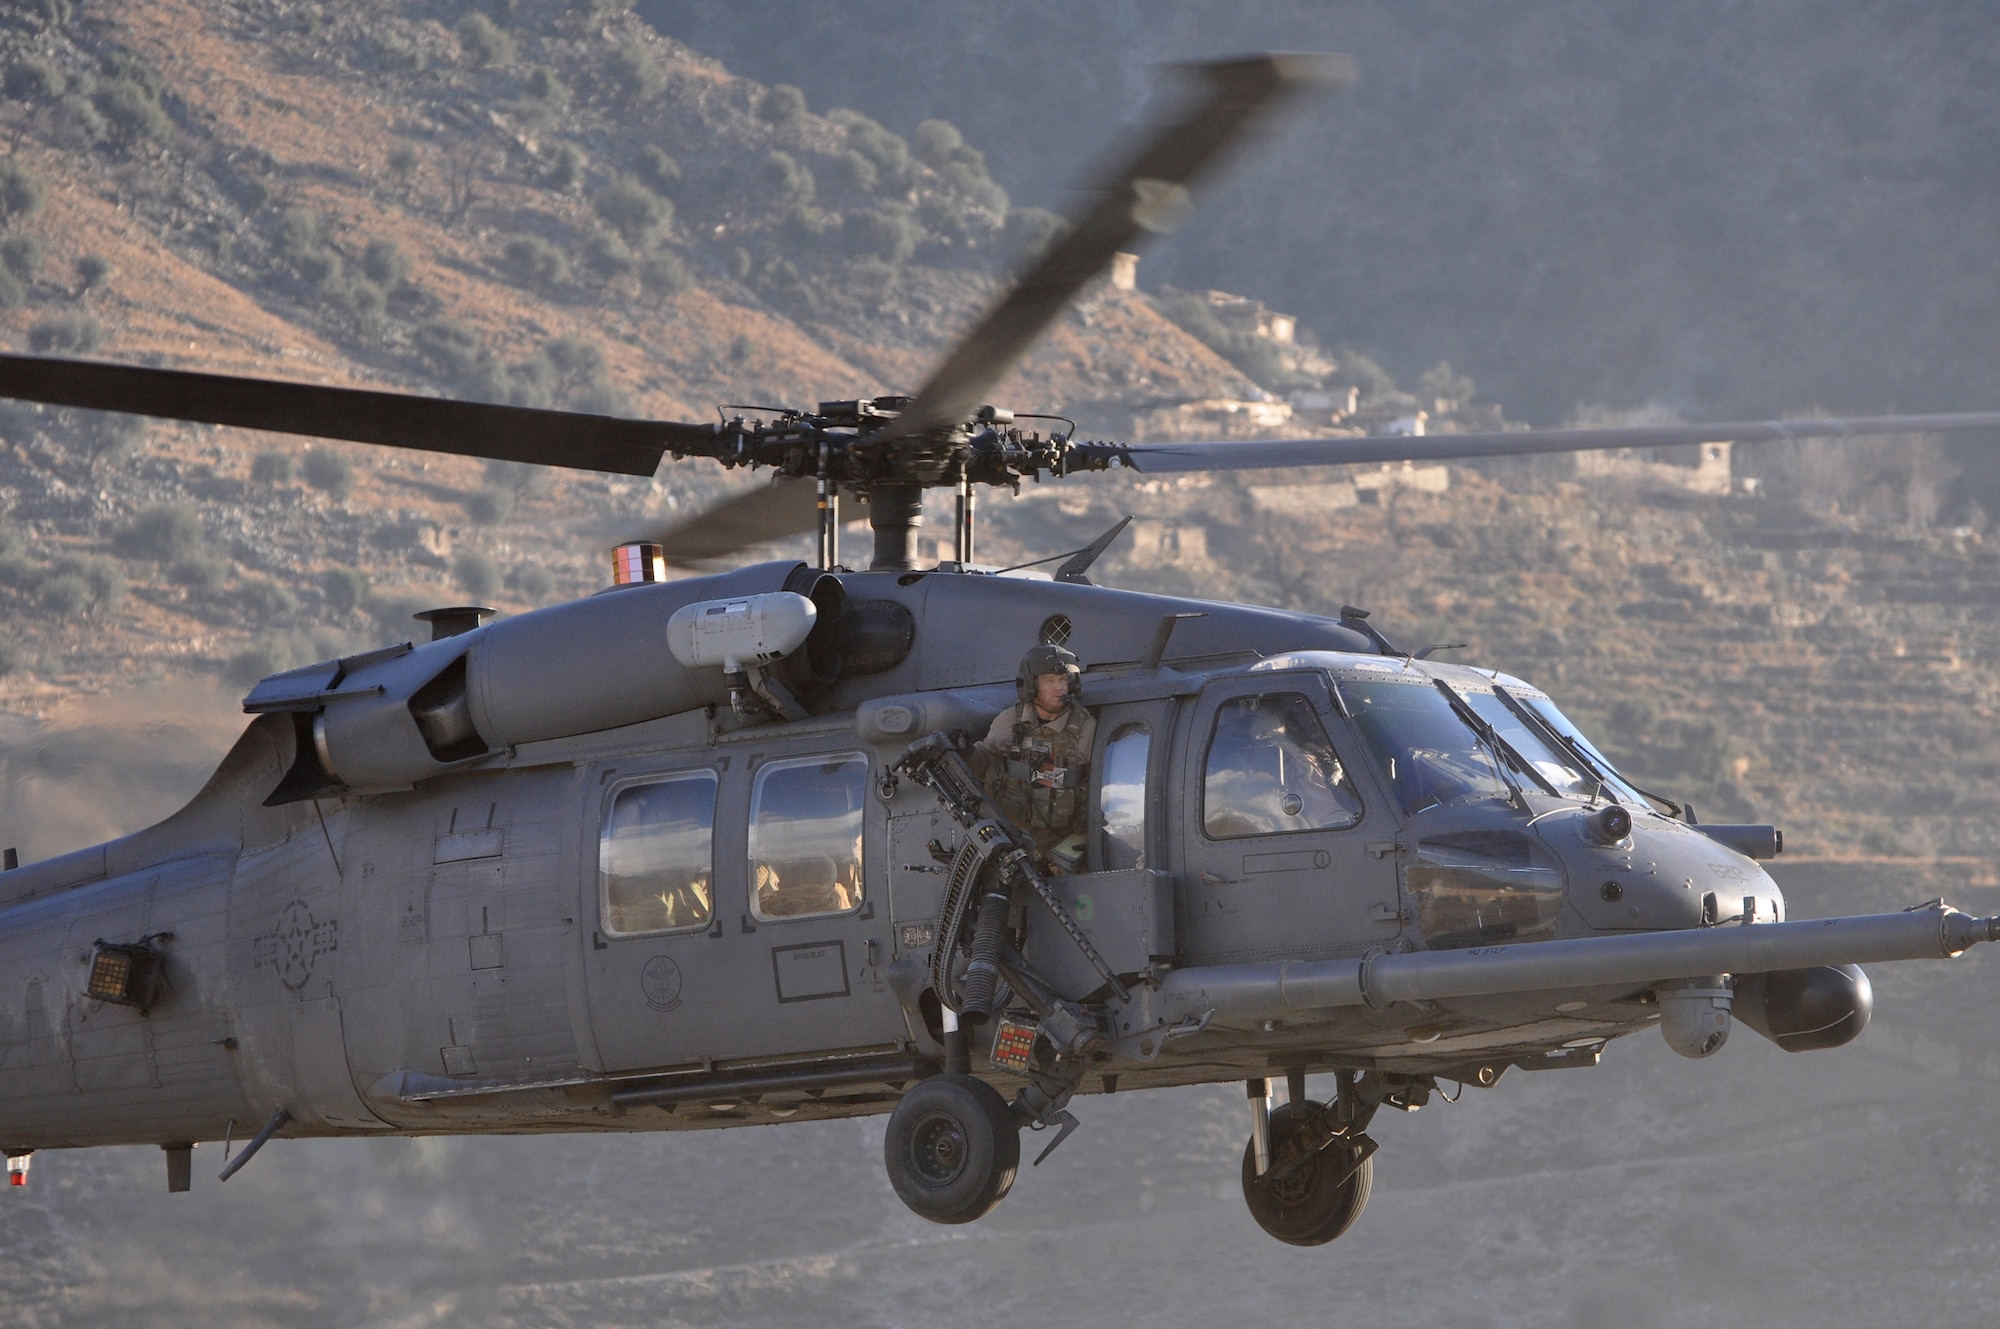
<point x="1039" y="781"/>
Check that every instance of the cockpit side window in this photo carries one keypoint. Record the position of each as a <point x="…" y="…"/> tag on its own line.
<point x="805" y="836"/>
<point x="656" y="856"/>
<point x="1271" y="769"/>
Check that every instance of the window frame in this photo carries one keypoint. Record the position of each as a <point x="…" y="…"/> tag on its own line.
<point x="644" y="781"/>
<point x="1326" y="730"/>
<point x="757" y="774"/>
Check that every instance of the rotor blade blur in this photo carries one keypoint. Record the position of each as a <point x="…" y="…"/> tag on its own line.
<point x="389" y="419"/>
<point x="1270" y="454"/>
<point x="775" y="511"/>
<point x="1149" y="193"/>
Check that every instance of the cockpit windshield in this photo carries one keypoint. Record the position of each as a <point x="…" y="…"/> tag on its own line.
<point x="1566" y="731"/>
<point x="1429" y="754"/>
<point x="1562" y="771"/>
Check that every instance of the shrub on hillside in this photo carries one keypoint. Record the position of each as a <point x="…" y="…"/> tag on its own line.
<point x="201" y="573"/>
<point x="361" y="301"/>
<point x="872" y="278"/>
<point x="566" y="171"/>
<point x="345" y="589"/>
<point x="19" y="571"/>
<point x="64" y="595"/>
<point x="634" y="72"/>
<point x="105" y="579"/>
<point x="162" y="532"/>
<point x="607" y="257"/>
<point x="32" y="80"/>
<point x="483" y="43"/>
<point x="131" y="111"/>
<point x="397" y="56"/>
<point x="889" y="153"/>
<point x="961" y="166"/>
<point x="92" y="272"/>
<point x="271" y="468"/>
<point x="107" y="436"/>
<point x="385" y="262"/>
<point x="21" y="255"/>
<point x="536" y="261"/>
<point x="451" y="350"/>
<point x="1258" y="357"/>
<point x="254" y="663"/>
<point x="12" y="293"/>
<point x="663" y="274"/>
<point x="634" y="211"/>
<point x="658" y="172"/>
<point x="489" y="507"/>
<point x="881" y="233"/>
<point x="569" y="372"/>
<point x="477" y="575"/>
<point x="265" y="601"/>
<point x="21" y="191"/>
<point x="851" y="170"/>
<point x="782" y="107"/>
<point x="1030" y="231"/>
<point x="788" y="179"/>
<point x="545" y="86"/>
<point x="329" y="471"/>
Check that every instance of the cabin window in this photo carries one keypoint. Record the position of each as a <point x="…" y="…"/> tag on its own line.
<point x="1271" y="769"/>
<point x="805" y="836"/>
<point x="656" y="858"/>
<point x="1121" y="797"/>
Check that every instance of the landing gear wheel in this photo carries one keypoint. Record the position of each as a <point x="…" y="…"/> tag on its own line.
<point x="952" y="1148"/>
<point x="1307" y="1208"/>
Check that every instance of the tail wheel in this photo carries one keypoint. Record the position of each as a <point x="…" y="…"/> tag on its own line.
<point x="1314" y="1203"/>
<point x="952" y="1148"/>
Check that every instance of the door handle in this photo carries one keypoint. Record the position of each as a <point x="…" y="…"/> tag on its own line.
<point x="1381" y="848"/>
<point x="1210" y="879"/>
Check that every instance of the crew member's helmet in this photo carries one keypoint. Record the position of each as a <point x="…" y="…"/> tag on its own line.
<point x="1047" y="660"/>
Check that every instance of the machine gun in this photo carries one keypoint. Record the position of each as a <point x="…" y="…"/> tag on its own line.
<point x="1054" y="1051"/>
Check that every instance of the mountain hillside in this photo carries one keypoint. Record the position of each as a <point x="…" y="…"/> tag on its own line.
<point x="568" y="210"/>
<point x="1733" y="209"/>
<point x="561" y="206"/>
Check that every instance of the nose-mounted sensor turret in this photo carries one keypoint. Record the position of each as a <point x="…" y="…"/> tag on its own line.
<point x="1608" y="825"/>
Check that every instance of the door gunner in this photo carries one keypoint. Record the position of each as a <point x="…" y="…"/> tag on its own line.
<point x="1036" y="757"/>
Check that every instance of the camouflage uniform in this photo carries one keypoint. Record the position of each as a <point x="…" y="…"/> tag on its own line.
<point x="1036" y="769"/>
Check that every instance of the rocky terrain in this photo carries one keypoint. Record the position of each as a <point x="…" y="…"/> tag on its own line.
<point x="568" y="211"/>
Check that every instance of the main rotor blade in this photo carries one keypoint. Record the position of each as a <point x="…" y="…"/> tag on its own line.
<point x="390" y="419"/>
<point x="1148" y="194"/>
<point x="776" y="511"/>
<point x="1264" y="454"/>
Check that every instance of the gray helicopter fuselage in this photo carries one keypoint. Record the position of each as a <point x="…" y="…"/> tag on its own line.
<point x="419" y="945"/>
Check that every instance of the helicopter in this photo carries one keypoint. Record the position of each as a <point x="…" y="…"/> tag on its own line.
<point x="710" y="852"/>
